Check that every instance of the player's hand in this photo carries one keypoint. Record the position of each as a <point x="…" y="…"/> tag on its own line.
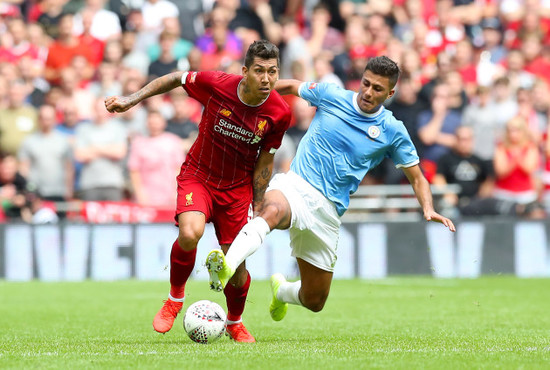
<point x="436" y="217"/>
<point x="118" y="104"/>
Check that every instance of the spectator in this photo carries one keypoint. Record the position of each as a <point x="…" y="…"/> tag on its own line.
<point x="154" y="162"/>
<point x="181" y="47"/>
<point x="133" y="57"/>
<point x="487" y="130"/>
<point x="182" y="124"/>
<point x="166" y="62"/>
<point x="17" y="120"/>
<point x="45" y="159"/>
<point x="219" y="45"/>
<point x="134" y="121"/>
<point x="38" y="38"/>
<point x="458" y="97"/>
<point x="436" y="129"/>
<point x="463" y="63"/>
<point x="443" y="67"/>
<point x="324" y="72"/>
<point x="64" y="49"/>
<point x="32" y="71"/>
<point x="462" y="167"/>
<point x="296" y="48"/>
<point x="89" y="38"/>
<point x="13" y="188"/>
<point x="503" y="104"/>
<point x="113" y="53"/>
<point x="107" y="83"/>
<point x="320" y="35"/>
<point x="19" y="45"/>
<point x="536" y="122"/>
<point x="406" y="108"/>
<point x="515" y="71"/>
<point x="190" y="10"/>
<point x="67" y="128"/>
<point x="516" y="161"/>
<point x="354" y="36"/>
<point x="72" y="93"/>
<point x="258" y="15"/>
<point x="154" y="12"/>
<point x="104" y="25"/>
<point x="411" y="68"/>
<point x="492" y="39"/>
<point x="144" y="37"/>
<point x="50" y="16"/>
<point x="101" y="146"/>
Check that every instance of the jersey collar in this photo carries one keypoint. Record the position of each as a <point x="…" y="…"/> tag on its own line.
<point x="369" y="115"/>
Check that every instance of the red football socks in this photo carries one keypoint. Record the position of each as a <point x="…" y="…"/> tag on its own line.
<point x="236" y="299"/>
<point x="181" y="265"/>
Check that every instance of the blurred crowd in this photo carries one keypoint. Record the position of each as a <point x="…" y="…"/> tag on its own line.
<point x="473" y="93"/>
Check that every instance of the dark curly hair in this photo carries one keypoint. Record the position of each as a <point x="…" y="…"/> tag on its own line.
<point x="262" y="49"/>
<point x="384" y="66"/>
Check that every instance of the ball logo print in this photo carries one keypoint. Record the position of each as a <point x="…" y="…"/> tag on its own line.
<point x="204" y="322"/>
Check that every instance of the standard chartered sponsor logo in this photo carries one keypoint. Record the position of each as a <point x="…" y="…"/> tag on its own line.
<point x="235" y="132"/>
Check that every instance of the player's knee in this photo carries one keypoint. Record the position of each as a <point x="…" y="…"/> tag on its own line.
<point x="188" y="238"/>
<point x="272" y="213"/>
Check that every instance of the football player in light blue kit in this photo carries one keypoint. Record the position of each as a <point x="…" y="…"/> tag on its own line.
<point x="351" y="133"/>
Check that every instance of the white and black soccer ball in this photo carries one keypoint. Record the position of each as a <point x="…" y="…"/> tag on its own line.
<point x="204" y="322"/>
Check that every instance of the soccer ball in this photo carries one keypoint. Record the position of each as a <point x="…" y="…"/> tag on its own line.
<point x="204" y="322"/>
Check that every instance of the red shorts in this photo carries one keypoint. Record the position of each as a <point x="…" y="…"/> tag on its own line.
<point x="228" y="210"/>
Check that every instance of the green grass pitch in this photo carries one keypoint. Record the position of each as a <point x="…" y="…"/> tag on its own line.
<point x="396" y="323"/>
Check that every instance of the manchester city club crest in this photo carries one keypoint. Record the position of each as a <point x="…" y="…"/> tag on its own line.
<point x="373" y="132"/>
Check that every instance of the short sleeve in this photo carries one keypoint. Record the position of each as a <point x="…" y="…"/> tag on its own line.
<point x="313" y="92"/>
<point x="403" y="153"/>
<point x="199" y="84"/>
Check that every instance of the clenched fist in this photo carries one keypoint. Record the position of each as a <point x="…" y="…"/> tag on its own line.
<point x="118" y="104"/>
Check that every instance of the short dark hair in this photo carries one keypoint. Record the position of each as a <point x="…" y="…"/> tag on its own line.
<point x="384" y="66"/>
<point x="262" y="49"/>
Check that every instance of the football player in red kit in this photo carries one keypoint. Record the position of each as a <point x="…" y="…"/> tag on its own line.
<point x="226" y="170"/>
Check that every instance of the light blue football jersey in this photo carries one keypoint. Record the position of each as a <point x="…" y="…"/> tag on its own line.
<point x="343" y="143"/>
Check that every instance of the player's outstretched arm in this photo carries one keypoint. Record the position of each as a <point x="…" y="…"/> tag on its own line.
<point x="286" y="87"/>
<point x="159" y="85"/>
<point x="424" y="195"/>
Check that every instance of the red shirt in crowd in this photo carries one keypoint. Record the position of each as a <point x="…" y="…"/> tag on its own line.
<point x="231" y="133"/>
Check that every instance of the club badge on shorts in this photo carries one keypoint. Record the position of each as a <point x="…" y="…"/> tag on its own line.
<point x="373" y="132"/>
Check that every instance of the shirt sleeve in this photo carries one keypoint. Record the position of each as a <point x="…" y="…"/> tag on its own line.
<point x="313" y="92"/>
<point x="403" y="153"/>
<point x="199" y="84"/>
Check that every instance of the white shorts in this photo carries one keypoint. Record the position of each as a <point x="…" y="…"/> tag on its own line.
<point x="315" y="224"/>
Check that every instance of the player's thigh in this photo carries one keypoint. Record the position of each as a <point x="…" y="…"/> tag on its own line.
<point x="193" y="210"/>
<point x="231" y="210"/>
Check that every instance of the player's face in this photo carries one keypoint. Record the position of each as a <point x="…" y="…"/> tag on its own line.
<point x="261" y="77"/>
<point x="374" y="90"/>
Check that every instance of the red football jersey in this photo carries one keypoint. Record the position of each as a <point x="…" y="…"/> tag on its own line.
<point x="231" y="133"/>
